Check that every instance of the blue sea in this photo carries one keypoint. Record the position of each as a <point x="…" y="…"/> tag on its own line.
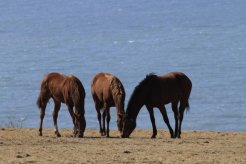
<point x="205" y="39"/>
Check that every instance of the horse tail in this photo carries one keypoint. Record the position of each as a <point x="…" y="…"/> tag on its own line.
<point x="187" y="106"/>
<point x="186" y="87"/>
<point x="39" y="101"/>
<point x="78" y="94"/>
<point x="118" y="93"/>
<point x="43" y="95"/>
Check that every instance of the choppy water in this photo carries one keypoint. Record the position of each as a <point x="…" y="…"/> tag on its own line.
<point x="204" y="39"/>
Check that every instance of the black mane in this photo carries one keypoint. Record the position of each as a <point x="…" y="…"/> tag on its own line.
<point x="142" y="85"/>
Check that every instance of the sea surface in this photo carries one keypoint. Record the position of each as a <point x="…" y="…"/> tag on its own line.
<point x="204" y="39"/>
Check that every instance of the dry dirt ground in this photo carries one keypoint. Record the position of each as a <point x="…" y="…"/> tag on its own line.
<point x="25" y="146"/>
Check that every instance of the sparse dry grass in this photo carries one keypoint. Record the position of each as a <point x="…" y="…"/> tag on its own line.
<point x="25" y="146"/>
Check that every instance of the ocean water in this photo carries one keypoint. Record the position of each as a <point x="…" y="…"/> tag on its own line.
<point x="204" y="39"/>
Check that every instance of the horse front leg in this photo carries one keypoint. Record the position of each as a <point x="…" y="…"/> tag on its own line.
<point x="152" y="118"/>
<point x="166" y="120"/>
<point x="55" y="115"/>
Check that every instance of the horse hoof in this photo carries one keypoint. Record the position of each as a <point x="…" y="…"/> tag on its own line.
<point x="153" y="137"/>
<point x="80" y="136"/>
<point x="57" y="134"/>
<point x="40" y="134"/>
<point x="103" y="134"/>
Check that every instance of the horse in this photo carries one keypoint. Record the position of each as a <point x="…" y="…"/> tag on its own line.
<point x="107" y="91"/>
<point x="156" y="91"/>
<point x="63" y="89"/>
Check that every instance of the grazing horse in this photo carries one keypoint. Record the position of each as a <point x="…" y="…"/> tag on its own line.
<point x="156" y="91"/>
<point x="63" y="89"/>
<point x="107" y="91"/>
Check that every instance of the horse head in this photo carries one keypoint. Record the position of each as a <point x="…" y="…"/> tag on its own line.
<point x="129" y="124"/>
<point x="80" y="125"/>
<point x="120" y="121"/>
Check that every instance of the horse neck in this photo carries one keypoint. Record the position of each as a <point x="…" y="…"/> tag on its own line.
<point x="133" y="109"/>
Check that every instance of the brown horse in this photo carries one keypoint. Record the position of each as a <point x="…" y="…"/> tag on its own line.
<point x="63" y="89"/>
<point x="107" y="91"/>
<point x="156" y="91"/>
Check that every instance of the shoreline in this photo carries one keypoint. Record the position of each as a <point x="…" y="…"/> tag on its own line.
<point x="23" y="145"/>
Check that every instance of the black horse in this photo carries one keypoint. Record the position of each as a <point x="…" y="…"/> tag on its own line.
<point x="156" y="91"/>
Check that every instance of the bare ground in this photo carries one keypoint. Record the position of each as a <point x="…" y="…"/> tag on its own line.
<point x="25" y="146"/>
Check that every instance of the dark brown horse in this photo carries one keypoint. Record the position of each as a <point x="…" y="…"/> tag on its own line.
<point x="156" y="91"/>
<point x="63" y="89"/>
<point x="107" y="91"/>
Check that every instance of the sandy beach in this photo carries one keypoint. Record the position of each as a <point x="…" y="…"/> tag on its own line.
<point x="25" y="146"/>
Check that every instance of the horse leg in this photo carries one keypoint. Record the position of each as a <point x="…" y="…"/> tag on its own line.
<point x="42" y="113"/>
<point x="176" y="117"/>
<point x="100" y="121"/>
<point x="181" y="112"/>
<point x="103" y="129"/>
<point x="55" y="115"/>
<point x="166" y="120"/>
<point x="70" y="109"/>
<point x="108" y="120"/>
<point x="152" y="118"/>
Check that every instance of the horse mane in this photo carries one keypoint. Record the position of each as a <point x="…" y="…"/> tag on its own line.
<point x="142" y="85"/>
<point x="146" y="80"/>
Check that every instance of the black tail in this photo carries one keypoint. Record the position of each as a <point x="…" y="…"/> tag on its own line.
<point x="187" y="106"/>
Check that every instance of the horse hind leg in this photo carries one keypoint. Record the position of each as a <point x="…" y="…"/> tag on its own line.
<point x="166" y="120"/>
<point x="181" y="115"/>
<point x="55" y="115"/>
<point x="176" y="117"/>
<point x="99" y="117"/>
<point x="42" y="113"/>
<point x="70" y="110"/>
<point x="42" y="102"/>
<point x="103" y="122"/>
<point x="108" y="117"/>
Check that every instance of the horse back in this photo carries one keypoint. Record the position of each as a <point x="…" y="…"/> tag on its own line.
<point x="100" y="86"/>
<point x="105" y="87"/>
<point x="52" y="85"/>
<point x="177" y="83"/>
